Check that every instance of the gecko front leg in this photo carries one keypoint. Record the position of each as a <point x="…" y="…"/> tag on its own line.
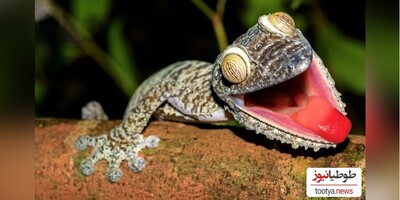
<point x="125" y="141"/>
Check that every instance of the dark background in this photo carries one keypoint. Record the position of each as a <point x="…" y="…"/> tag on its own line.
<point x="161" y="32"/>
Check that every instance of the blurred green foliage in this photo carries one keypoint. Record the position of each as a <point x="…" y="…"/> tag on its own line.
<point x="255" y="8"/>
<point x="82" y="23"/>
<point x="90" y="15"/>
<point x="342" y="54"/>
<point x="122" y="53"/>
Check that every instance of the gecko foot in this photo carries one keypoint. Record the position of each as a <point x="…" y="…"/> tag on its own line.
<point x="114" y="153"/>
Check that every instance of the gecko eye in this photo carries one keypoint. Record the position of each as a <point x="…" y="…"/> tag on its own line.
<point x="278" y="22"/>
<point x="235" y="65"/>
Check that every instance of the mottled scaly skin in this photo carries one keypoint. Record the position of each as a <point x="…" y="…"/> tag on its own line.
<point x="275" y="58"/>
<point x="193" y="101"/>
<point x="184" y="91"/>
<point x="196" y="91"/>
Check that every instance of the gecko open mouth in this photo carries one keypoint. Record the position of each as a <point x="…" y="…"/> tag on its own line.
<point x="304" y="106"/>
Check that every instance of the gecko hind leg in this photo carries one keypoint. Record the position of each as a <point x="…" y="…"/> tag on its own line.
<point x="114" y="153"/>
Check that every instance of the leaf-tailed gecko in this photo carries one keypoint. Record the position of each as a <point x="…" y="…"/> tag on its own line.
<point x="269" y="79"/>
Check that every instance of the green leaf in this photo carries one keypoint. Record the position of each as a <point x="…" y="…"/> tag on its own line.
<point x="90" y="14"/>
<point x="297" y="3"/>
<point x="300" y="21"/>
<point x="122" y="54"/>
<point x="253" y="9"/>
<point x="343" y="56"/>
<point x="70" y="52"/>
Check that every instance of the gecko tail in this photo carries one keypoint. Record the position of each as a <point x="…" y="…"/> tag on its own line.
<point x="93" y="111"/>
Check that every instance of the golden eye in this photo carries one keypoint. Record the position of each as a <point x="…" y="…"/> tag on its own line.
<point x="235" y="65"/>
<point x="279" y="22"/>
<point x="283" y="22"/>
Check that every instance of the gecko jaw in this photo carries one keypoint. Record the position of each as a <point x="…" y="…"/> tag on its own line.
<point x="286" y="105"/>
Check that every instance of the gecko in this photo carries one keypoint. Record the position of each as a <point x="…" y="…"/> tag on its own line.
<point x="269" y="79"/>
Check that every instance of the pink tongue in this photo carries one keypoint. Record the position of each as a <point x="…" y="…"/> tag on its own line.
<point x="320" y="117"/>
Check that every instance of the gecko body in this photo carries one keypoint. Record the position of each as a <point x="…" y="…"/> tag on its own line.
<point x="269" y="80"/>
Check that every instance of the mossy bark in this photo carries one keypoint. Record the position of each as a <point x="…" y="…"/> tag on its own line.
<point x="192" y="161"/>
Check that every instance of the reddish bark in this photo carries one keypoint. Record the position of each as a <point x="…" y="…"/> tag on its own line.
<point x="192" y="161"/>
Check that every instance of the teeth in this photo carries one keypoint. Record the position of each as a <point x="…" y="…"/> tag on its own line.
<point x="331" y="83"/>
<point x="274" y="133"/>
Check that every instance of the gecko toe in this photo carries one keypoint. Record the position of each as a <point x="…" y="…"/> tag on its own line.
<point x="152" y="141"/>
<point x="113" y="174"/>
<point x="87" y="167"/>
<point x="137" y="164"/>
<point x="81" y="143"/>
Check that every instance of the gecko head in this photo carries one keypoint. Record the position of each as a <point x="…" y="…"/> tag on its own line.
<point x="274" y="83"/>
